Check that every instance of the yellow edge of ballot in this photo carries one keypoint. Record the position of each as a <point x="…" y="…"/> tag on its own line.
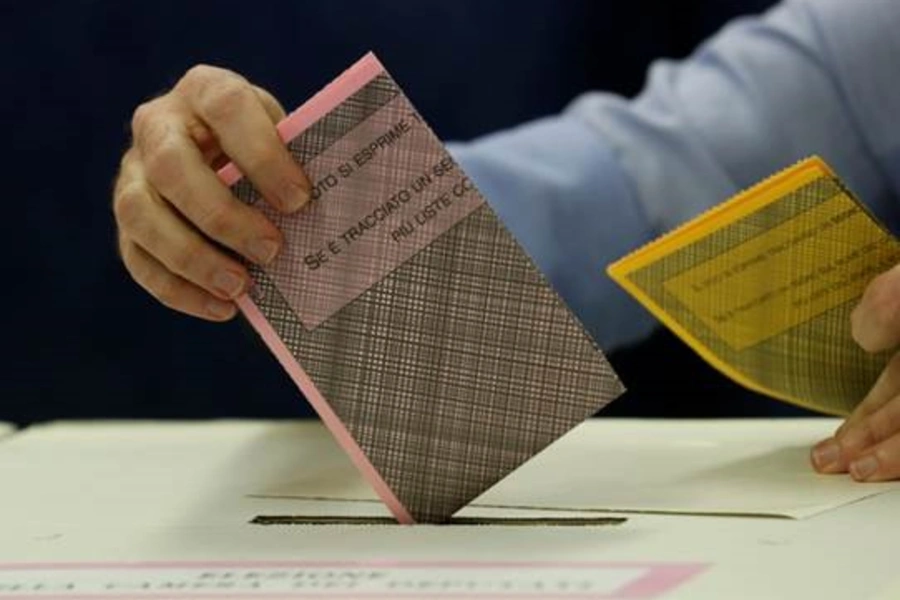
<point x="762" y="286"/>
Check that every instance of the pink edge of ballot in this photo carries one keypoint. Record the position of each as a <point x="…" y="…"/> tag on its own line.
<point x="306" y="115"/>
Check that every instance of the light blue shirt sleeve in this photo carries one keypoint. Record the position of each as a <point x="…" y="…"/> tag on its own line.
<point x="581" y="189"/>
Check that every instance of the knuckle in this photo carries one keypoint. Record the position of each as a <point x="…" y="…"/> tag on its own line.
<point x="272" y="105"/>
<point x="198" y="76"/>
<point x="878" y="427"/>
<point x="185" y="260"/>
<point x="871" y="428"/>
<point x="141" y="271"/>
<point x="888" y="459"/>
<point x="218" y="222"/>
<point x="882" y="300"/>
<point x="223" y="99"/>
<point x="863" y="436"/>
<point x="272" y="156"/>
<point x="143" y="115"/>
<point x="163" y="157"/>
<point x="126" y="254"/>
<point x="128" y="207"/>
<point x="129" y="158"/>
<point x="194" y="259"/>
<point x="272" y="174"/>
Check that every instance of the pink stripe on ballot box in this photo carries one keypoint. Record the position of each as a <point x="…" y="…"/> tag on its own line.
<point x="377" y="579"/>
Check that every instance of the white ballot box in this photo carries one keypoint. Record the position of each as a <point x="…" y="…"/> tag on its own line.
<point x="263" y="510"/>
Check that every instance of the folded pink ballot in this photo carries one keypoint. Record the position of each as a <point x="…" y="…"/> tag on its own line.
<point x="421" y="333"/>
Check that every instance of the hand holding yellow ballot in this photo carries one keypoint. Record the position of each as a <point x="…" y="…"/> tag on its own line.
<point x="763" y="288"/>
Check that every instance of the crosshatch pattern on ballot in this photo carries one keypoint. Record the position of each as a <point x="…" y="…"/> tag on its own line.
<point x="457" y="365"/>
<point x="786" y="329"/>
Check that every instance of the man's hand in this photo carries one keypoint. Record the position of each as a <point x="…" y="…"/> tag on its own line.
<point x="868" y="443"/>
<point x="170" y="206"/>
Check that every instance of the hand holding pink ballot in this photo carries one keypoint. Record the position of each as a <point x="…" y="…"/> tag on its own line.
<point x="426" y="339"/>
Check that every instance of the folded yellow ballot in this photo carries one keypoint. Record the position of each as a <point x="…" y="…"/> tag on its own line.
<point x="762" y="286"/>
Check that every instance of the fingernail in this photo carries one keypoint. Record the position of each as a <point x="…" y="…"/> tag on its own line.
<point x="827" y="453"/>
<point x="228" y="283"/>
<point x="864" y="468"/>
<point x="296" y="196"/>
<point x="263" y="250"/>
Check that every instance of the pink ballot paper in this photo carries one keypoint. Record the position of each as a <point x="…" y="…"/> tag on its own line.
<point x="421" y="333"/>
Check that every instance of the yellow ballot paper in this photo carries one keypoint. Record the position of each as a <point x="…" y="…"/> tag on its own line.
<point x="762" y="286"/>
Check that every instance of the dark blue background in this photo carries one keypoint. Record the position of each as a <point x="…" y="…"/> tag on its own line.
<point x="83" y="341"/>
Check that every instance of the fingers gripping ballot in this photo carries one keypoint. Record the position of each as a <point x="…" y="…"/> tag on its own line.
<point x="867" y="444"/>
<point x="170" y="289"/>
<point x="232" y="109"/>
<point x="174" y="214"/>
<point x="876" y="320"/>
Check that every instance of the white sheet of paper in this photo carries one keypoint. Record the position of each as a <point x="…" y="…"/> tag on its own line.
<point x="6" y="429"/>
<point x="738" y="467"/>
